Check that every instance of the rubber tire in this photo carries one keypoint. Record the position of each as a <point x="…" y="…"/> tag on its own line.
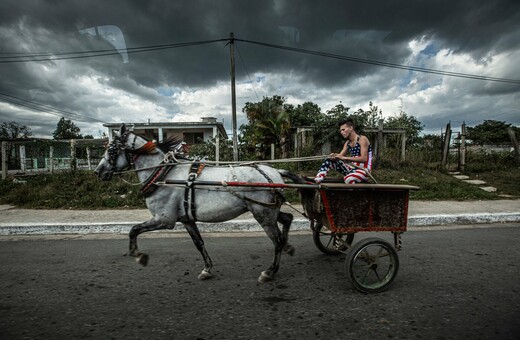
<point x="318" y="237"/>
<point x="356" y="266"/>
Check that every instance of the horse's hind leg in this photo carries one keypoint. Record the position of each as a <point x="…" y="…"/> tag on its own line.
<point x="268" y="221"/>
<point x="278" y="239"/>
<point x="192" y="229"/>
<point x="138" y="229"/>
<point x="286" y="219"/>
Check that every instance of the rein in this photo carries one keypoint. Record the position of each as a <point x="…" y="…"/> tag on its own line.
<point x="282" y="160"/>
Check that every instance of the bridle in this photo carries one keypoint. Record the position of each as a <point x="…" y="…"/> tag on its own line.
<point x="119" y="145"/>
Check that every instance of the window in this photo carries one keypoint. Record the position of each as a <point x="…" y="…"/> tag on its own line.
<point x="193" y="137"/>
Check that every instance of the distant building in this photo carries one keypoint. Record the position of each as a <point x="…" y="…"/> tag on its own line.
<point x="190" y="132"/>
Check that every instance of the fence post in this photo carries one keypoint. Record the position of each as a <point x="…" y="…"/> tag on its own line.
<point x="73" y="165"/>
<point x="272" y="151"/>
<point x="514" y="141"/>
<point x="403" y="146"/>
<point x="88" y="158"/>
<point x="4" y="160"/>
<point x="51" y="159"/>
<point x="23" y="160"/>
<point x="463" y="147"/>
<point x="379" y="142"/>
<point x="446" y="145"/>
<point x="217" y="148"/>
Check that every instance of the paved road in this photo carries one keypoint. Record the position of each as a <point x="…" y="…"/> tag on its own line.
<point x="454" y="283"/>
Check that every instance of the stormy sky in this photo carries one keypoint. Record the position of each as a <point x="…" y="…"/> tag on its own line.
<point x="164" y="60"/>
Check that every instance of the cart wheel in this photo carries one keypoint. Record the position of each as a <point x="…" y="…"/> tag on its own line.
<point x="328" y="242"/>
<point x="372" y="265"/>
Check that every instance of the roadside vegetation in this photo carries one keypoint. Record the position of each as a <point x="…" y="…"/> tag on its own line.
<point x="83" y="190"/>
<point x="272" y="121"/>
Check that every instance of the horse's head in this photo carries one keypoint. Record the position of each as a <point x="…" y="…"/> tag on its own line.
<point x="117" y="156"/>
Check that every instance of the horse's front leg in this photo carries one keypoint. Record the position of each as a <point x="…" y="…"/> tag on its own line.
<point x="138" y="229"/>
<point x="192" y="229"/>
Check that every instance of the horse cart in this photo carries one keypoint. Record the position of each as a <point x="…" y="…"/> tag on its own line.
<point x="338" y="211"/>
<point x="185" y="191"/>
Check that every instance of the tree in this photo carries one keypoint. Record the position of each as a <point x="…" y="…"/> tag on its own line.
<point x="13" y="130"/>
<point x="66" y="129"/>
<point x="490" y="132"/>
<point x="410" y="124"/>
<point x="305" y="114"/>
<point x="368" y="118"/>
<point x="268" y="124"/>
<point x="207" y="149"/>
<point x="326" y="128"/>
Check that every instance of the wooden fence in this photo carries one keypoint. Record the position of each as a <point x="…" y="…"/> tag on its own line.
<point x="31" y="156"/>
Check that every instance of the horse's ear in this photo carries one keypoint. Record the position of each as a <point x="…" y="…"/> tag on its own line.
<point x="122" y="130"/>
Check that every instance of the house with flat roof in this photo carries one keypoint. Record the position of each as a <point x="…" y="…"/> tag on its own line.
<point x="189" y="132"/>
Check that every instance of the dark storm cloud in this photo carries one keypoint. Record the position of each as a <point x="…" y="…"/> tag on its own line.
<point x="376" y="30"/>
<point x="340" y="27"/>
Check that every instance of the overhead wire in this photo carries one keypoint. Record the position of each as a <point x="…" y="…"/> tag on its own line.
<point x="245" y="68"/>
<point x="47" y="108"/>
<point x="51" y="56"/>
<point x="381" y="63"/>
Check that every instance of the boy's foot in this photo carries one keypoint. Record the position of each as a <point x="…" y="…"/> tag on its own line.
<point x="320" y="176"/>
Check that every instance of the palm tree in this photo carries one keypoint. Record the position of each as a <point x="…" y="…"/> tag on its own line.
<point x="270" y="124"/>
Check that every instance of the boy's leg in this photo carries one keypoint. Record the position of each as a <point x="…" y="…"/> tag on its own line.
<point x="323" y="171"/>
<point x="335" y="164"/>
<point x="356" y="176"/>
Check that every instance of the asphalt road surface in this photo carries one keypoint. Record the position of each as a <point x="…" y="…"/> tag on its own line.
<point x="452" y="284"/>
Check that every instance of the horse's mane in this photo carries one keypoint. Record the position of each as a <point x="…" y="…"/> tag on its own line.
<point x="169" y="144"/>
<point x="165" y="146"/>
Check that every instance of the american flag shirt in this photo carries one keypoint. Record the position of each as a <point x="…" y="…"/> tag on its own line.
<point x="355" y="151"/>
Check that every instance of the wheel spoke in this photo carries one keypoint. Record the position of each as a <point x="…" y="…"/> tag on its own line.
<point x="371" y="265"/>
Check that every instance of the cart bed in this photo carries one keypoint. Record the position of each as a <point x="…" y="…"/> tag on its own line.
<point x="366" y="207"/>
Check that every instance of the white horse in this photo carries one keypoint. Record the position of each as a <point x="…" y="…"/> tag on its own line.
<point x="169" y="204"/>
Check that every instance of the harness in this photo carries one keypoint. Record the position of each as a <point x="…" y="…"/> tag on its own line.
<point x="279" y="198"/>
<point x="159" y="174"/>
<point x="161" y="171"/>
<point x="189" y="193"/>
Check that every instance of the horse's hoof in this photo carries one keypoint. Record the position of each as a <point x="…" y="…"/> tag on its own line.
<point x="264" y="277"/>
<point x="204" y="275"/>
<point x="142" y="259"/>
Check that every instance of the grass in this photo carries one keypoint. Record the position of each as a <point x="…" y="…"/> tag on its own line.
<point x="71" y="190"/>
<point x="83" y="190"/>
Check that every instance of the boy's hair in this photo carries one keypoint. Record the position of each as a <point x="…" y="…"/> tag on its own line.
<point x="348" y="121"/>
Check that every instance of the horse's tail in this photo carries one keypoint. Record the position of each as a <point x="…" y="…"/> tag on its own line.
<point x="308" y="196"/>
<point x="293" y="177"/>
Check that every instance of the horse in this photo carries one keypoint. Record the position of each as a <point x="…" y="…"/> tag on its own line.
<point x="189" y="203"/>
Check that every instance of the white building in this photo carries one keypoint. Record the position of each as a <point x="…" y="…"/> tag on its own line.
<point x="190" y="132"/>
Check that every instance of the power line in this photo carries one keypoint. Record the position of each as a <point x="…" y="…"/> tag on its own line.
<point x="51" y="56"/>
<point x="381" y="63"/>
<point x="46" y="108"/>
<point x="245" y="68"/>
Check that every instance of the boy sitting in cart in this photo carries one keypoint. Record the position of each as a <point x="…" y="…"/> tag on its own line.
<point x="360" y="151"/>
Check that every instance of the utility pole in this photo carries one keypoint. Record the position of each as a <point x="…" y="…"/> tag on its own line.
<point x="233" y="96"/>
